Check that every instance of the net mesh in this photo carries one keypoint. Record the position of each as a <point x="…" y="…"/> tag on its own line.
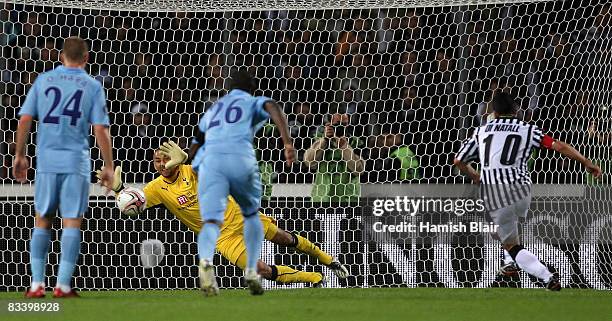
<point x="411" y="81"/>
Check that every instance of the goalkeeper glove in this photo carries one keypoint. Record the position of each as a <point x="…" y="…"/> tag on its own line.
<point x="174" y="152"/>
<point x="117" y="183"/>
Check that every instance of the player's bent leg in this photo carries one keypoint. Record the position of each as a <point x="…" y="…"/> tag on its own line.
<point x="70" y="245"/>
<point x="507" y="220"/>
<point x="46" y="200"/>
<point x="532" y="265"/>
<point x="74" y="197"/>
<point x="207" y="238"/>
<point x="245" y="187"/>
<point x="234" y="250"/>
<point x="303" y="245"/>
<point x="39" y="249"/>
<point x="509" y="267"/>
<point x="285" y="274"/>
<point x="253" y="236"/>
<point x="507" y="233"/>
<point x="213" y="189"/>
<point x="208" y="282"/>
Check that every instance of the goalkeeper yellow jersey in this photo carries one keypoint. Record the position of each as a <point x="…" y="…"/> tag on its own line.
<point x="180" y="197"/>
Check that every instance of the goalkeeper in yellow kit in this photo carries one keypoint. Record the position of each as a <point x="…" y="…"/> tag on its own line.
<point x="176" y="189"/>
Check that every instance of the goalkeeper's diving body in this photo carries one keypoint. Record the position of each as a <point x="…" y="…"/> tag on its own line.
<point x="176" y="189"/>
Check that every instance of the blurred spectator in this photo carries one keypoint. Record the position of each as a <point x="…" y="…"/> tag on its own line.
<point x="10" y="30"/>
<point x="140" y="119"/>
<point x="49" y="55"/>
<point x="600" y="142"/>
<point x="351" y="41"/>
<point x="292" y="84"/>
<point x="485" y="108"/>
<point x="389" y="160"/>
<point x="427" y="71"/>
<point x="33" y="25"/>
<point x="134" y="143"/>
<point x="349" y="97"/>
<point x="127" y="92"/>
<point x="442" y="79"/>
<point x="267" y="151"/>
<point x="103" y="76"/>
<point x="143" y="65"/>
<point x="303" y="126"/>
<point x="335" y="157"/>
<point x="7" y="150"/>
<point x="304" y="122"/>
<point x="215" y="74"/>
<point x="411" y="68"/>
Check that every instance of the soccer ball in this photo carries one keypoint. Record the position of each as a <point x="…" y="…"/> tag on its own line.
<point x="151" y="253"/>
<point x="131" y="201"/>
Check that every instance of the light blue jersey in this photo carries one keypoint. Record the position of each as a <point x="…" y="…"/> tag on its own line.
<point x="231" y="123"/>
<point x="66" y="101"/>
<point x="226" y="163"/>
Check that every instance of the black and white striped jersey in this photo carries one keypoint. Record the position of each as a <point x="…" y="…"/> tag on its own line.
<point x="503" y="146"/>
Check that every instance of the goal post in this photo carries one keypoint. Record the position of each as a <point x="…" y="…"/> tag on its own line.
<point x="414" y="79"/>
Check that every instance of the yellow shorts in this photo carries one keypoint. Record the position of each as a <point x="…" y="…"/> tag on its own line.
<point x="231" y="241"/>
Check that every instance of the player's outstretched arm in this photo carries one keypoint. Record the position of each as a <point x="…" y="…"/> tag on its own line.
<point x="104" y="142"/>
<point x="467" y="169"/>
<point x="280" y="120"/>
<point x="21" y="163"/>
<point x="569" y="151"/>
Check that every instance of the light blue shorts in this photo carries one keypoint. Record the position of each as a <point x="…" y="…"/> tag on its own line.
<point x="220" y="175"/>
<point x="69" y="192"/>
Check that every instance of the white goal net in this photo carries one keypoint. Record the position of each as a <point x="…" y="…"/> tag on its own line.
<point x="410" y="79"/>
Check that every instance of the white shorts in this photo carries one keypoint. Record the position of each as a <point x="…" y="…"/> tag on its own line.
<point x="506" y="218"/>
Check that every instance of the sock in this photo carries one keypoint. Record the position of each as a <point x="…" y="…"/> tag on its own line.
<point x="207" y="240"/>
<point x="35" y="285"/>
<point x="305" y="246"/>
<point x="286" y="274"/>
<point x="64" y="287"/>
<point x="507" y="257"/>
<point x="39" y="248"/>
<point x="71" y="247"/>
<point x="530" y="263"/>
<point x="253" y="237"/>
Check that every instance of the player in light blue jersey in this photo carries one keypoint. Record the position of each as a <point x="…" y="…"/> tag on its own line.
<point x="226" y="165"/>
<point x="66" y="102"/>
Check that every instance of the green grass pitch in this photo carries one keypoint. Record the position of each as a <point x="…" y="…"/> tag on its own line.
<point x="329" y="304"/>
